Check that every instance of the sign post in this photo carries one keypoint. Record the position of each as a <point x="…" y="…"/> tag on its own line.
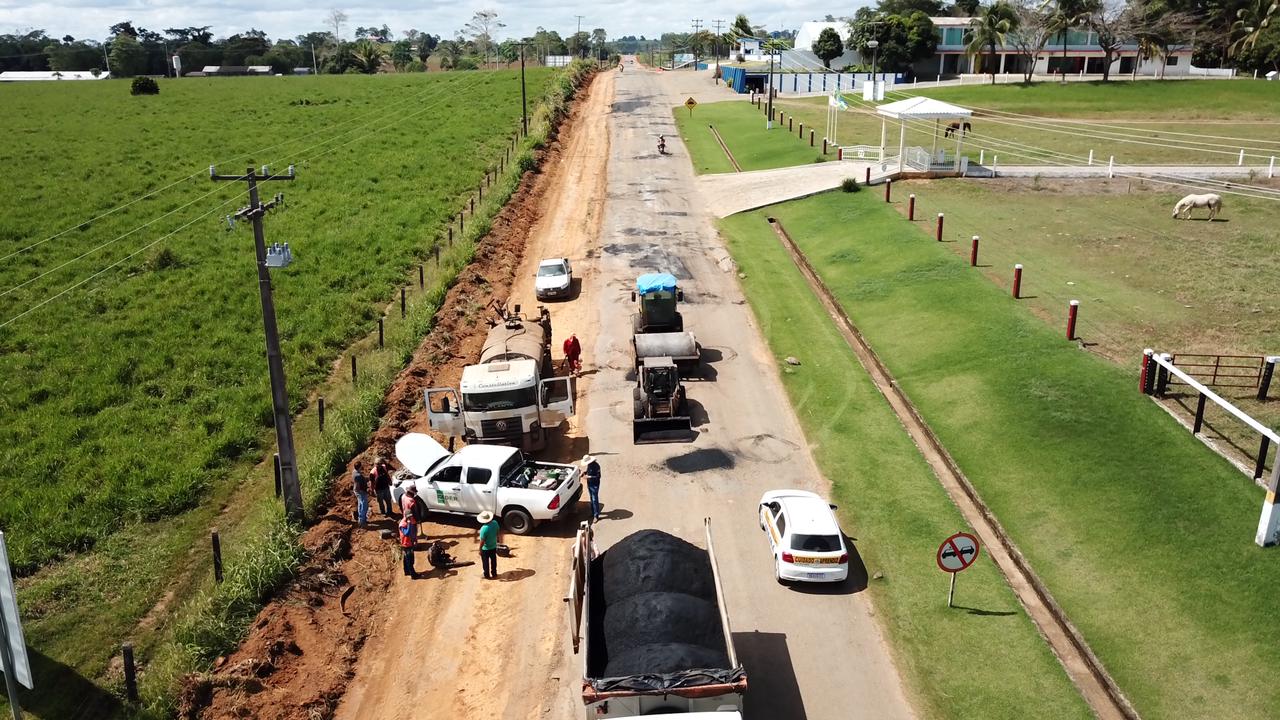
<point x="955" y="554"/>
<point x="691" y="104"/>
<point x="13" y="646"/>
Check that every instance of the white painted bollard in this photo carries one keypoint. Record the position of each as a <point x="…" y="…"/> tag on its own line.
<point x="982" y="157"/>
<point x="1271" y="168"/>
<point x="1091" y="156"/>
<point x="1111" y="166"/>
<point x="939" y="78"/>
<point x="1241" y="160"/>
<point x="995" y="162"/>
<point x="915" y="81"/>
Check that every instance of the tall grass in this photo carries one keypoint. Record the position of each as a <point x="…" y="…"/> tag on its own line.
<point x="128" y="397"/>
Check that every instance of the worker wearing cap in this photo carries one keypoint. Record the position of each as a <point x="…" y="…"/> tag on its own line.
<point x="591" y="469"/>
<point x="488" y="545"/>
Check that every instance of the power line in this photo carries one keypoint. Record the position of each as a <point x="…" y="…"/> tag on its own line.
<point x="149" y="245"/>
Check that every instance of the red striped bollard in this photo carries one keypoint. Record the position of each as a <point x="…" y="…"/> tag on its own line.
<point x="973" y="252"/>
<point x="888" y="188"/>
<point x="839" y="153"/>
<point x="1017" y="281"/>
<point x="824" y="146"/>
<point x="1144" y="376"/>
<point x="867" y="181"/>
<point x="1072" y="311"/>
<point x="811" y="138"/>
<point x="911" y="206"/>
<point x="939" y="232"/>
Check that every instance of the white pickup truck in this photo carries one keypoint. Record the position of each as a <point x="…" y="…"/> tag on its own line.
<point x="496" y="478"/>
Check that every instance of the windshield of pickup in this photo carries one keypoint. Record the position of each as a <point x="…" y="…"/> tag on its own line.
<point x="499" y="400"/>
<point x="551" y="270"/>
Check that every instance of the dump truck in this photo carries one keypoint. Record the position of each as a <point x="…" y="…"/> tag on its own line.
<point x="658" y="327"/>
<point x="511" y="397"/>
<point x="661" y="408"/>
<point x="649" y="619"/>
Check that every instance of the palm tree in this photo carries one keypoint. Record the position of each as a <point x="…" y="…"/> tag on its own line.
<point x="1251" y="22"/>
<point x="369" y="56"/>
<point x="989" y="29"/>
<point x="1067" y="15"/>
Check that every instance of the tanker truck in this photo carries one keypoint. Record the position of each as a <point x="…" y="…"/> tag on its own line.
<point x="511" y="396"/>
<point x="648" y="616"/>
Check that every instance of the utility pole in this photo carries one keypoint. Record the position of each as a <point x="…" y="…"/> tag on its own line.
<point x="768" y="123"/>
<point x="524" y="100"/>
<point x="292" y="491"/>
<point x="577" y="37"/>
<point x="315" y="70"/>
<point x="715" y="43"/>
<point x="693" y="42"/>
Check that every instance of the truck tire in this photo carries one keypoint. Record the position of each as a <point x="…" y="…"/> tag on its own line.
<point x="637" y="403"/>
<point x="637" y="325"/>
<point x="517" y="521"/>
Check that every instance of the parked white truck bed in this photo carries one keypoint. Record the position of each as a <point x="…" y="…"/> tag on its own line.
<point x="496" y="478"/>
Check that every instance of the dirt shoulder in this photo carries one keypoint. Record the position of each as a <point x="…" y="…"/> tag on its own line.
<point x="308" y="643"/>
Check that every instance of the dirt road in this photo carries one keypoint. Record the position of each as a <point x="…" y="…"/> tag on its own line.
<point x="457" y="647"/>
<point x="464" y="648"/>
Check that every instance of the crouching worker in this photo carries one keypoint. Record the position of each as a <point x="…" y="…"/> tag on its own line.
<point x="408" y="541"/>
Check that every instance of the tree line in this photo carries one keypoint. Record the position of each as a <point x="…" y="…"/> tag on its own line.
<point x="130" y="50"/>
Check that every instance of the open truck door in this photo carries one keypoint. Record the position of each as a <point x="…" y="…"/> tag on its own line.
<point x="555" y="401"/>
<point x="444" y="413"/>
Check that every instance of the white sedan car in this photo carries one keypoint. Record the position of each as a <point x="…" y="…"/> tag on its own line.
<point x="554" y="279"/>
<point x="806" y="540"/>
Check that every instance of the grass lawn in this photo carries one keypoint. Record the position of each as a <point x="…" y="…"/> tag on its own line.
<point x="1144" y="536"/>
<point x="134" y="393"/>
<point x="741" y="126"/>
<point x="1143" y="278"/>
<point x="981" y="660"/>
<point x="1236" y="114"/>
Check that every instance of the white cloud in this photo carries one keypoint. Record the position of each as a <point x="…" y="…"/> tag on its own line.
<point x="287" y="18"/>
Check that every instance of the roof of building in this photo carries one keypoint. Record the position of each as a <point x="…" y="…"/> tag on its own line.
<point x="951" y="21"/>
<point x="809" y="32"/>
<point x="35" y="75"/>
<point x="922" y="108"/>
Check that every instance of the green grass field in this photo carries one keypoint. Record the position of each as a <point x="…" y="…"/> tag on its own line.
<point x="1222" y="116"/>
<point x="1143" y="278"/>
<point x="982" y="659"/>
<point x="742" y="128"/>
<point x="1143" y="535"/>
<point x="134" y="392"/>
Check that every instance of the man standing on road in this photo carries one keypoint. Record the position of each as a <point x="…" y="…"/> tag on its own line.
<point x="488" y="545"/>
<point x="360" y="485"/>
<point x="412" y="507"/>
<point x="408" y="542"/>
<point x="573" y="353"/>
<point x="591" y="469"/>
<point x="382" y="485"/>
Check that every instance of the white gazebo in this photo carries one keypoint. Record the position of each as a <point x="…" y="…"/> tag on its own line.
<point x="920" y="108"/>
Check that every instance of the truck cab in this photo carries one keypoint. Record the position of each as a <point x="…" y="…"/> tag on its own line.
<point x="506" y="398"/>
<point x="658" y="295"/>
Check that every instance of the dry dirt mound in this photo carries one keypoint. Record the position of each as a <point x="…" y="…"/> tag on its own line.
<point x="300" y="655"/>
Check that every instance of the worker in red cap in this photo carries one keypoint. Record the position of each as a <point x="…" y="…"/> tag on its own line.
<point x="573" y="354"/>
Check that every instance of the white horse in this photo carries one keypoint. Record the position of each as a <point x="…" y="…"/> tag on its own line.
<point x="1187" y="204"/>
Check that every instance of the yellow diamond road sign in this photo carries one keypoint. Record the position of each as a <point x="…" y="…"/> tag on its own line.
<point x="691" y="103"/>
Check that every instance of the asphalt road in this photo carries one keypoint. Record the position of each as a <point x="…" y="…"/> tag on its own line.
<point x="809" y="653"/>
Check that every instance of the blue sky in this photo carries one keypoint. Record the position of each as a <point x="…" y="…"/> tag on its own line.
<point x="287" y="18"/>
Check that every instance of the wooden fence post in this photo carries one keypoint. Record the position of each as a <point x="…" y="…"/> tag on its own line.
<point x="320" y="403"/>
<point x="217" y="556"/>
<point x="130" y="673"/>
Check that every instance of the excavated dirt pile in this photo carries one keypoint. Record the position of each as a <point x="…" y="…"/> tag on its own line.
<point x="659" y="613"/>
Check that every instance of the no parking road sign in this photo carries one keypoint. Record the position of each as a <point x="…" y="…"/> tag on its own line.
<point x="955" y="554"/>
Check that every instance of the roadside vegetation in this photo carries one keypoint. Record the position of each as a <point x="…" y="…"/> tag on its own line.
<point x="981" y="659"/>
<point x="138" y="583"/>
<point x="1153" y="115"/>
<point x="1144" y="536"/>
<point x="741" y="125"/>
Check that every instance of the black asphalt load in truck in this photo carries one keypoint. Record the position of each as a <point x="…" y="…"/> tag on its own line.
<point x="656" y="632"/>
